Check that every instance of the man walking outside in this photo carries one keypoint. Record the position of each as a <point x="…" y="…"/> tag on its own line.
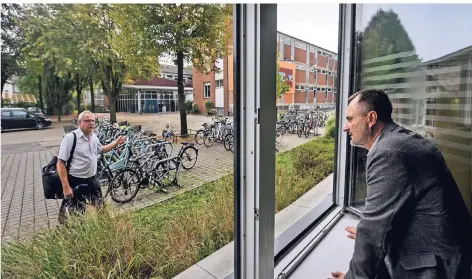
<point x="83" y="167"/>
<point x="415" y="223"/>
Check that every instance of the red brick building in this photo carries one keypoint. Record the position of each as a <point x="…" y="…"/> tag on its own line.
<point x="311" y="72"/>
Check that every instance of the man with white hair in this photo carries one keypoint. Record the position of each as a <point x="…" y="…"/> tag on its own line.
<point x="83" y="166"/>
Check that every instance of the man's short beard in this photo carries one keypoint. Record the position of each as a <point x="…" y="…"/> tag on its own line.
<point x="364" y="138"/>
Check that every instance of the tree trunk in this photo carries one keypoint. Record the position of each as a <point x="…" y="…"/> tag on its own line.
<point x="59" y="110"/>
<point x="180" y="88"/>
<point x="78" y="89"/>
<point x="40" y="92"/>
<point x="4" y="80"/>
<point x="112" y="100"/>
<point x="92" y="96"/>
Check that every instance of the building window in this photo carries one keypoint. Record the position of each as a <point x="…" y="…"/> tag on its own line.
<point x="290" y="77"/>
<point x="287" y="41"/>
<point x="312" y="49"/>
<point x="206" y="90"/>
<point x="300" y="45"/>
<point x="301" y="67"/>
<point x="219" y="83"/>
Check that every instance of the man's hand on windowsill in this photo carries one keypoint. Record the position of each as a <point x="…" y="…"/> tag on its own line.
<point x="351" y="232"/>
<point x="337" y="275"/>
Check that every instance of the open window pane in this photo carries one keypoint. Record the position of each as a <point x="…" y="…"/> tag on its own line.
<point x="427" y="76"/>
<point x="306" y="118"/>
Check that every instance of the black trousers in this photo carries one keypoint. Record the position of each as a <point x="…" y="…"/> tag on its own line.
<point x="91" y="194"/>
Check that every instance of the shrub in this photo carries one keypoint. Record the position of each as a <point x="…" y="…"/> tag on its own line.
<point x="85" y="107"/>
<point x="208" y="106"/>
<point x="188" y="106"/>
<point x="313" y="156"/>
<point x="195" y="109"/>
<point x="68" y="108"/>
<point x="6" y="102"/>
<point x="330" y="126"/>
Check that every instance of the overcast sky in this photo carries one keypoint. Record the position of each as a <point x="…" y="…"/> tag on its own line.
<point x="315" y="23"/>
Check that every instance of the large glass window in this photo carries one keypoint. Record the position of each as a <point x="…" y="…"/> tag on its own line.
<point x="305" y="131"/>
<point x="425" y="65"/>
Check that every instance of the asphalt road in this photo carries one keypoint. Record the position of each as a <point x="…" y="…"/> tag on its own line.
<point x="27" y="140"/>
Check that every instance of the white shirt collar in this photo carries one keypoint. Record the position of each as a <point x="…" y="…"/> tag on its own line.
<point x="375" y="141"/>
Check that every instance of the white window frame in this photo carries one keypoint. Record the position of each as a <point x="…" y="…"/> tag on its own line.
<point x="301" y="67"/>
<point x="206" y="90"/>
<point x="300" y="45"/>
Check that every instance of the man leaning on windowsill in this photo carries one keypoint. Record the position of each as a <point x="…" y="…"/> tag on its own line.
<point x="415" y="223"/>
<point x="83" y="167"/>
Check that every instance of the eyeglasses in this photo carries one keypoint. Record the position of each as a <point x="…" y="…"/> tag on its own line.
<point x="88" y="121"/>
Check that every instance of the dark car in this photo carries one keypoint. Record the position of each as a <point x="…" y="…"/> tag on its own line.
<point x="19" y="118"/>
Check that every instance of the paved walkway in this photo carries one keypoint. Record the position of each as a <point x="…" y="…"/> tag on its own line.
<point x="24" y="210"/>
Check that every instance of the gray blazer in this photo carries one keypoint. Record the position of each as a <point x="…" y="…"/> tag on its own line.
<point x="415" y="223"/>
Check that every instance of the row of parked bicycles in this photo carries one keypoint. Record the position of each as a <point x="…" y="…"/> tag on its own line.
<point x="221" y="130"/>
<point x="143" y="161"/>
<point x="302" y="123"/>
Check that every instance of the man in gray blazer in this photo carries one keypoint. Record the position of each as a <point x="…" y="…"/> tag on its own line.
<point x="415" y="223"/>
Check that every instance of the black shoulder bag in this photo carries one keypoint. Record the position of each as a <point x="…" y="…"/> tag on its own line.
<point x="52" y="185"/>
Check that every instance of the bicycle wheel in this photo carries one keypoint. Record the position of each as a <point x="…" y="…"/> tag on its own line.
<point x="125" y="185"/>
<point x="207" y="139"/>
<point x="228" y="142"/>
<point x="307" y="131"/>
<point x="166" y="173"/>
<point x="278" y="136"/>
<point x="189" y="157"/>
<point x="300" y="130"/>
<point x="199" y="136"/>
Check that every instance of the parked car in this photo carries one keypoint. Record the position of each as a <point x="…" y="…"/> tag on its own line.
<point x="36" y="110"/>
<point x="19" y="118"/>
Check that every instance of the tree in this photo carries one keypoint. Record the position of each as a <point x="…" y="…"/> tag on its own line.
<point x="12" y="41"/>
<point x="58" y="89"/>
<point x="50" y="52"/>
<point x="281" y="86"/>
<point x="384" y="36"/>
<point x="117" y="51"/>
<point x="192" y="33"/>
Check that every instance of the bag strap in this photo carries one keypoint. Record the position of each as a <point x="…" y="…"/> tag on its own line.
<point x="71" y="152"/>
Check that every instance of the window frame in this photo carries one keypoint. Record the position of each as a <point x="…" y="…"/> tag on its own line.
<point x="206" y="93"/>
<point x="330" y="208"/>
<point x="288" y="251"/>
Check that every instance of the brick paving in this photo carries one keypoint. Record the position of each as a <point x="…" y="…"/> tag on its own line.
<point x="24" y="211"/>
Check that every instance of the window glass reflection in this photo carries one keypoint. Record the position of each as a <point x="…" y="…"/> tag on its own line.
<point x="428" y="76"/>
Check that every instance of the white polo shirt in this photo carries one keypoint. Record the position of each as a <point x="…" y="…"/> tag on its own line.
<point x="84" y="161"/>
